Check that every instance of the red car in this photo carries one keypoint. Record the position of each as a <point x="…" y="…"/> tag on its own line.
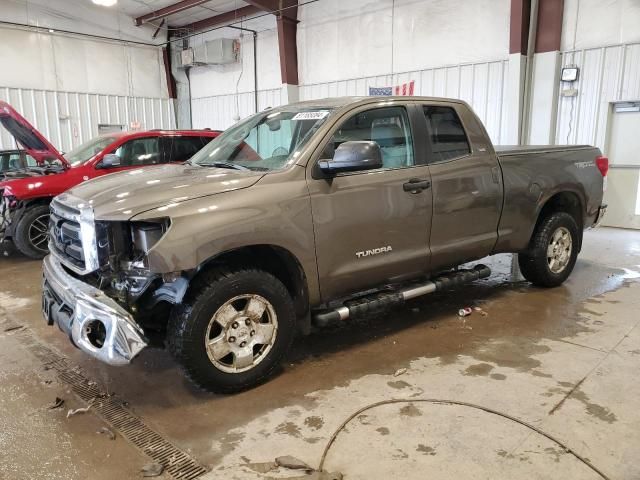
<point x="24" y="202"/>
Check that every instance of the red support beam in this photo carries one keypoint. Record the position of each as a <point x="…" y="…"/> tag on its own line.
<point x="223" y="18"/>
<point x="549" y="31"/>
<point x="169" y="10"/>
<point x="519" y="26"/>
<point x="285" y="8"/>
<point x="171" y="81"/>
<point x="288" y="50"/>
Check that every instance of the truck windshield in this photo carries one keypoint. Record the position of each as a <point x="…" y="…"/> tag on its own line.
<point x="265" y="141"/>
<point x="86" y="151"/>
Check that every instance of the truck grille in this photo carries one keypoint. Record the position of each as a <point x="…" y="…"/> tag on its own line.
<point x="72" y="236"/>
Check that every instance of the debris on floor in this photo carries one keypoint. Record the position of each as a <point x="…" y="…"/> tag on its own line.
<point x="59" y="402"/>
<point x="480" y="311"/>
<point x="73" y="412"/>
<point x="292" y="463"/>
<point x="152" y="470"/>
<point x="289" y="462"/>
<point x="399" y="372"/>
<point x="107" y="432"/>
<point x="12" y="328"/>
<point x="465" y="312"/>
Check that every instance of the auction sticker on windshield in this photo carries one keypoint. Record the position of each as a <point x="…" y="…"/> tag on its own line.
<point x="317" y="115"/>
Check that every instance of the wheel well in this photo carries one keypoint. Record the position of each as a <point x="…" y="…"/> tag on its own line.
<point x="567" y="202"/>
<point x="275" y="260"/>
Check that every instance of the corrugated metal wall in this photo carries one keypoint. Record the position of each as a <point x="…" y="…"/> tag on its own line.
<point x="69" y="118"/>
<point x="218" y="112"/>
<point x="607" y="74"/>
<point x="483" y="85"/>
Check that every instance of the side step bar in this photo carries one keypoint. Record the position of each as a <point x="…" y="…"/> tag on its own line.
<point x="383" y="300"/>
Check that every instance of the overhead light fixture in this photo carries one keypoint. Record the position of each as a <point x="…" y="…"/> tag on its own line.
<point x="105" y="3"/>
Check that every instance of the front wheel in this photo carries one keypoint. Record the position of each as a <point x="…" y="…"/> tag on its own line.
<point x="233" y="330"/>
<point x="31" y="236"/>
<point x="553" y="251"/>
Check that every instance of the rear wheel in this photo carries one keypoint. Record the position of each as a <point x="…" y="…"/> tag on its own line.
<point x="233" y="330"/>
<point x="553" y="251"/>
<point x="31" y="236"/>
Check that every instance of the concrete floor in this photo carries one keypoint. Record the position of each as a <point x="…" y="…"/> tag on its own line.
<point x="564" y="360"/>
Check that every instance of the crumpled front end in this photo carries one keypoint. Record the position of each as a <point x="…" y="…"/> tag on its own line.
<point x="94" y="322"/>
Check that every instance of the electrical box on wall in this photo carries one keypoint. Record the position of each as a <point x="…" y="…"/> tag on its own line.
<point x="221" y="51"/>
<point x="186" y="57"/>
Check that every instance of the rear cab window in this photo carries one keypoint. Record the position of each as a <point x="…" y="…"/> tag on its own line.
<point x="446" y="133"/>
<point x="181" y="149"/>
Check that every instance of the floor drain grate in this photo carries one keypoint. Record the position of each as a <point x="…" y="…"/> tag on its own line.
<point x="179" y="464"/>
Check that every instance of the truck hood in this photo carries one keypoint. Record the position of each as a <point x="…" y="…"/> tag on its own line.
<point x="123" y="195"/>
<point x="28" y="137"/>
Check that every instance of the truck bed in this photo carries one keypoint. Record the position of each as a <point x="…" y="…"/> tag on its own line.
<point x="503" y="150"/>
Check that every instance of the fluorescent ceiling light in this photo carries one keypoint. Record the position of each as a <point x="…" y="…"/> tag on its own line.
<point x="105" y="3"/>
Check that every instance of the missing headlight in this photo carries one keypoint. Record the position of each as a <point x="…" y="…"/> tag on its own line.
<point x="146" y="234"/>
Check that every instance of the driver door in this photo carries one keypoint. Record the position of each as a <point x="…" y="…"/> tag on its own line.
<point x="369" y="229"/>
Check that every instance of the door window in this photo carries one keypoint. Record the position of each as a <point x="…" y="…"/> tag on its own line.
<point x="389" y="127"/>
<point x="140" y="151"/>
<point x="181" y="149"/>
<point x="448" y="139"/>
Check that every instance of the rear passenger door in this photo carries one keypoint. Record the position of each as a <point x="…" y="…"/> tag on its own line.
<point x="370" y="228"/>
<point x="180" y="149"/>
<point x="467" y="186"/>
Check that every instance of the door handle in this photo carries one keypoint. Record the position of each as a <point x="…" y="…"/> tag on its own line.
<point x="416" y="185"/>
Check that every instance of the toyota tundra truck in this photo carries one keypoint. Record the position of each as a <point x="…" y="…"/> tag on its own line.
<point x="304" y="214"/>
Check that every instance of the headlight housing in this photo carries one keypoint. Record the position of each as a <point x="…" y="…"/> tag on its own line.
<point x="144" y="235"/>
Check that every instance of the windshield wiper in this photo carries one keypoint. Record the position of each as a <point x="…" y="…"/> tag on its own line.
<point x="223" y="165"/>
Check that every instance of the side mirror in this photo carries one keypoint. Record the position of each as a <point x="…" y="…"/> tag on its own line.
<point x="110" y="160"/>
<point x="352" y="157"/>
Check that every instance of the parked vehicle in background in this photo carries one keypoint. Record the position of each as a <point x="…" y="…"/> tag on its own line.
<point x="15" y="163"/>
<point x="318" y="211"/>
<point x="24" y="202"/>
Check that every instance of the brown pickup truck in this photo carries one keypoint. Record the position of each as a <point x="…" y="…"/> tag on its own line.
<point x="312" y="212"/>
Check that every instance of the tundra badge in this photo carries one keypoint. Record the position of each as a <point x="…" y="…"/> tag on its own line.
<point x="375" y="251"/>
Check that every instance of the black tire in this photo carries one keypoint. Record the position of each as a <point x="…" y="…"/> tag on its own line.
<point x="189" y="322"/>
<point x="32" y="222"/>
<point x="535" y="264"/>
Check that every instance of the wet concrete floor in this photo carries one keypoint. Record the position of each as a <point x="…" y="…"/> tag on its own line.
<point x="563" y="360"/>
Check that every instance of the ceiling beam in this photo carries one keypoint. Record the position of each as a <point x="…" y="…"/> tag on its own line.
<point x="221" y="19"/>
<point x="169" y="10"/>
<point x="285" y="8"/>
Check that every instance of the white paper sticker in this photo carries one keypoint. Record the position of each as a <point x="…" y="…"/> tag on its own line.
<point x="317" y="115"/>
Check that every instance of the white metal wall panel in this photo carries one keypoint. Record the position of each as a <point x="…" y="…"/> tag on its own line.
<point x="69" y="118"/>
<point x="221" y="111"/>
<point x="607" y="74"/>
<point x="482" y="85"/>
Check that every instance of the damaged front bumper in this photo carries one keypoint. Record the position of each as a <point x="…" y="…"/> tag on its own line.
<point x="94" y="322"/>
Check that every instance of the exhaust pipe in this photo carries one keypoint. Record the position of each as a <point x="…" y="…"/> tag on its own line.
<point x="383" y="300"/>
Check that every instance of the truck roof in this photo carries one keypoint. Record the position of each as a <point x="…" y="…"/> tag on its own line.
<point x="337" y="102"/>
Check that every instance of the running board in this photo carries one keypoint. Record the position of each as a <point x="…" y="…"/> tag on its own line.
<point x="383" y="300"/>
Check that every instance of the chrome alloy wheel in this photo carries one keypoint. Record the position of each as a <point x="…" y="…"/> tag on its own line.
<point x="39" y="233"/>
<point x="241" y="333"/>
<point x="559" y="250"/>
